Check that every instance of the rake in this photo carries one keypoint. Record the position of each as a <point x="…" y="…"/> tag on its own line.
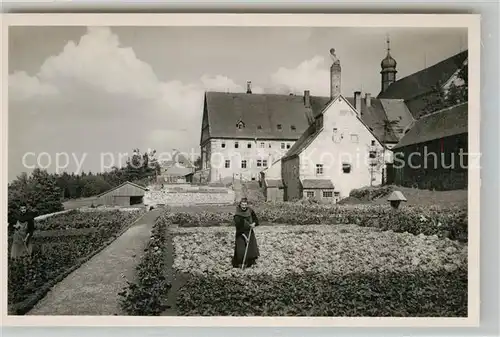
<point x="246" y="248"/>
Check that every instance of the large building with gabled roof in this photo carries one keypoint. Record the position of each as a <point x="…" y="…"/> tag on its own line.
<point x="243" y="133"/>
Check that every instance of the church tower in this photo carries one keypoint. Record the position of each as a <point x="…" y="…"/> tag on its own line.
<point x="389" y="71"/>
<point x="334" y="75"/>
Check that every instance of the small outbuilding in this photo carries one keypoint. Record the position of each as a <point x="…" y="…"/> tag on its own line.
<point x="319" y="189"/>
<point x="273" y="189"/>
<point x="127" y="194"/>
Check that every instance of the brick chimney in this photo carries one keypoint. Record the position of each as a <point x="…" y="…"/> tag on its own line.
<point x="249" y="87"/>
<point x="368" y="100"/>
<point x="357" y="101"/>
<point x="307" y="99"/>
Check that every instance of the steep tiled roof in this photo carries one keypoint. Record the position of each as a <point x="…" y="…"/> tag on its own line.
<point x="260" y="113"/>
<point x="372" y="116"/>
<point x="396" y="110"/>
<point x="307" y="137"/>
<point x="423" y="81"/>
<point x="268" y="110"/>
<point x="317" y="183"/>
<point x="444" y="123"/>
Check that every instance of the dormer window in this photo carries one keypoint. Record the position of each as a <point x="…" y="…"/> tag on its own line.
<point x="240" y="125"/>
<point x="259" y="127"/>
<point x="279" y="126"/>
<point x="293" y="128"/>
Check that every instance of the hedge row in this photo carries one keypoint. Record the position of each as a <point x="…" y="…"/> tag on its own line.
<point x="417" y="294"/>
<point x="53" y="258"/>
<point x="449" y="223"/>
<point x="146" y="296"/>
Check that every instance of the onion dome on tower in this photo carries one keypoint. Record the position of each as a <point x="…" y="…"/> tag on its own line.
<point x="388" y="66"/>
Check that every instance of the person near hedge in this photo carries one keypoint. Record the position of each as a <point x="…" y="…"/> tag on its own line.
<point x="22" y="243"/>
<point x="245" y="221"/>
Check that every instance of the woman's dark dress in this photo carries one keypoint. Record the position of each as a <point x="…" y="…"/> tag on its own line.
<point x="242" y="221"/>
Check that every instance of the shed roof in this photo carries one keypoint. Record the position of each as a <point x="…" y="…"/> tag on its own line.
<point x="317" y="183"/>
<point x="443" y="123"/>
<point x="120" y="186"/>
<point x="177" y="170"/>
<point x="274" y="183"/>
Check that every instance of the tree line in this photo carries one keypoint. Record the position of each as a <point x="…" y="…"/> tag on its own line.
<point x="44" y="192"/>
<point x="441" y="98"/>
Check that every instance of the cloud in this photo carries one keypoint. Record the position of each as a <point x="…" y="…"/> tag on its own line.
<point x="22" y="87"/>
<point x="104" y="99"/>
<point x="310" y="75"/>
<point x="99" y="80"/>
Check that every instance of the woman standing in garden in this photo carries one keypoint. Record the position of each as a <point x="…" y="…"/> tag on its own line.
<point x="245" y="221"/>
<point x="23" y="232"/>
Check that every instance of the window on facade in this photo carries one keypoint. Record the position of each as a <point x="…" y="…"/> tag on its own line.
<point x="319" y="169"/>
<point x="243" y="164"/>
<point x="264" y="162"/>
<point x="262" y="145"/>
<point x="236" y="145"/>
<point x="279" y="126"/>
<point x="227" y="164"/>
<point x="293" y="128"/>
<point x="288" y="145"/>
<point x="269" y="145"/>
<point x="249" y="145"/>
<point x="334" y="129"/>
<point x="337" y="194"/>
<point x="346" y="168"/>
<point x="310" y="194"/>
<point x="373" y="143"/>
<point x="282" y="145"/>
<point x="259" y="163"/>
<point x="354" y="138"/>
<point x="373" y="154"/>
<point x="327" y="194"/>
<point x="223" y="145"/>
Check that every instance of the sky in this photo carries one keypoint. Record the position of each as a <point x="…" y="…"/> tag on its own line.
<point x="82" y="98"/>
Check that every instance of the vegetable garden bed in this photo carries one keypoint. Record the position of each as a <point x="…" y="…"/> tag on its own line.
<point x="57" y="254"/>
<point x="444" y="222"/>
<point x="322" y="270"/>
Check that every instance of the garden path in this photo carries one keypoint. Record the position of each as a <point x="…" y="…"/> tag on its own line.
<point x="93" y="288"/>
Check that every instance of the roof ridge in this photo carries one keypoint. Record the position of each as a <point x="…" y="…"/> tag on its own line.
<point x="433" y="65"/>
<point x="444" y="109"/>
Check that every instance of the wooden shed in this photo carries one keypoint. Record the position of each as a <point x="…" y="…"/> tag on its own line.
<point x="126" y="194"/>
<point x="273" y="189"/>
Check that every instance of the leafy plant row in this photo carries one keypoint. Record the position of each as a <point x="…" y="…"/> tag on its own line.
<point x="30" y="278"/>
<point x="146" y="296"/>
<point x="401" y="294"/>
<point x="76" y="219"/>
<point x="444" y="222"/>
